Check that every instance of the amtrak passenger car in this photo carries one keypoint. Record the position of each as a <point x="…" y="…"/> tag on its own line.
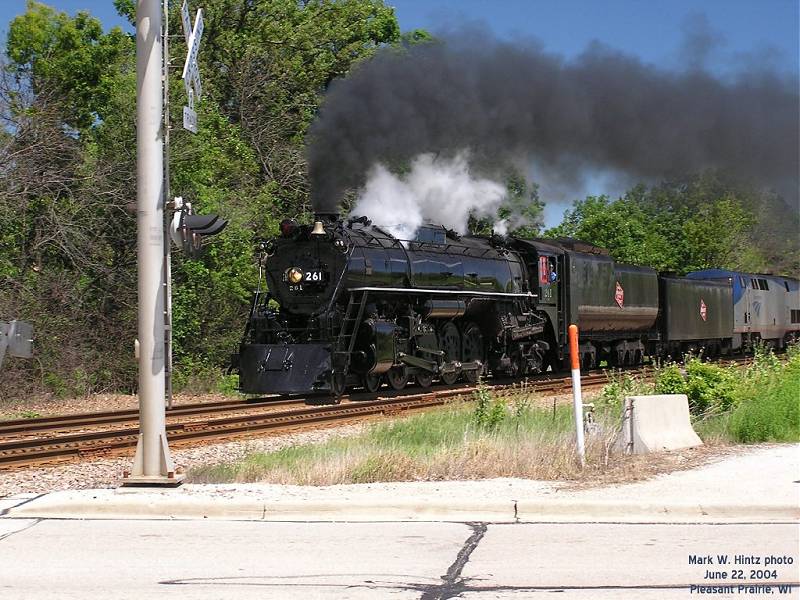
<point x="765" y="307"/>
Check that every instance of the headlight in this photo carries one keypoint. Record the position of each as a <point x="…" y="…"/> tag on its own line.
<point x="340" y="245"/>
<point x="295" y="275"/>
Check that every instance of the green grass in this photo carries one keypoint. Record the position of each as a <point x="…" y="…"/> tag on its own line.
<point x="490" y="438"/>
<point x="769" y="406"/>
<point x="23" y="414"/>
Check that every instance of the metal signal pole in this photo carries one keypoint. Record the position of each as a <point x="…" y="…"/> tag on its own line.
<point x="152" y="463"/>
<point x="167" y="220"/>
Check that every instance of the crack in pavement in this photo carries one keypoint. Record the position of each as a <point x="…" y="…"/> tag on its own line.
<point x="7" y="535"/>
<point x="452" y="583"/>
<point x="22" y="501"/>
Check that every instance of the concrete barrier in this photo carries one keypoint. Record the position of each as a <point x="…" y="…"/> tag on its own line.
<point x="656" y="423"/>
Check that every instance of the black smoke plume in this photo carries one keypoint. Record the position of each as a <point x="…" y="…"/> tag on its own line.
<point x="512" y="101"/>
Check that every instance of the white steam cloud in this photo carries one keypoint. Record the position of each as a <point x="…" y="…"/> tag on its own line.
<point x="436" y="190"/>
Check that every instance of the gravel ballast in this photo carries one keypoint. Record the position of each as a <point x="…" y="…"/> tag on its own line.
<point x="107" y="473"/>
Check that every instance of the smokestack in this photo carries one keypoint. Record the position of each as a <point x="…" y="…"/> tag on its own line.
<point x="326" y="217"/>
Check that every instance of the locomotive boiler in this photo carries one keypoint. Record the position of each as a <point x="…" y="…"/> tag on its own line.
<point x="350" y="304"/>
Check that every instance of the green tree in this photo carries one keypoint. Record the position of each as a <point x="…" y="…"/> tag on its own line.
<point x="521" y="213"/>
<point x="716" y="235"/>
<point x="698" y="223"/>
<point x="623" y="227"/>
<point x="67" y="190"/>
<point x="53" y="53"/>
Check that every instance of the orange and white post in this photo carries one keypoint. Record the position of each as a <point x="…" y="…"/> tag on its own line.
<point x="577" y="401"/>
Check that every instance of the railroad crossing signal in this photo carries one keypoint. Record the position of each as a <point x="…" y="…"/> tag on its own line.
<point x="188" y="230"/>
<point x="191" y="70"/>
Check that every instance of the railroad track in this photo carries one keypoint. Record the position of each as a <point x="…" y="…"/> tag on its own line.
<point x="262" y="416"/>
<point x="117" y="417"/>
<point x="49" y="440"/>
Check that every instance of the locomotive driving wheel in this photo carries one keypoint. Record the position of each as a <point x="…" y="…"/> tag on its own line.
<point x="472" y="350"/>
<point x="424" y="379"/>
<point x="397" y="378"/>
<point x="371" y="382"/>
<point x="450" y="344"/>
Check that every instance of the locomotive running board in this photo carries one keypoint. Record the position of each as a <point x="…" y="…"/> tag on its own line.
<point x="443" y="292"/>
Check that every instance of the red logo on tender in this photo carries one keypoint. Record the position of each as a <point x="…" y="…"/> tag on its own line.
<point x="619" y="295"/>
<point x="543" y="277"/>
<point x="703" y="310"/>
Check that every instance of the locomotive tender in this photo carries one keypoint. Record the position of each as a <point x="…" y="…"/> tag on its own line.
<point x="348" y="304"/>
<point x="766" y="308"/>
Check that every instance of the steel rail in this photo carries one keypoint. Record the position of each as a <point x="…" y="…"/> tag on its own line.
<point x="29" y="452"/>
<point x="81" y="420"/>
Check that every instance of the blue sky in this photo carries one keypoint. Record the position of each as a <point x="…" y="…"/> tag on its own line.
<point x="743" y="31"/>
<point x="651" y="30"/>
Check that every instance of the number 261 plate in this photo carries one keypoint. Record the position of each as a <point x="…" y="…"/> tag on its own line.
<point x="316" y="276"/>
<point x="311" y="281"/>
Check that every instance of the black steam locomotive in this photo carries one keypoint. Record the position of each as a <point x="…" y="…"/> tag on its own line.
<point x="351" y="305"/>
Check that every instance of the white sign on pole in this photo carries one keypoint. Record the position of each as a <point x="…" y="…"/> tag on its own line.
<point x="187" y="22"/>
<point x="194" y="44"/>
<point x="192" y="81"/>
<point x="191" y="70"/>
<point x="189" y="119"/>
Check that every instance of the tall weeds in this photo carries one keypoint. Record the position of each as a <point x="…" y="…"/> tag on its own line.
<point x="495" y="437"/>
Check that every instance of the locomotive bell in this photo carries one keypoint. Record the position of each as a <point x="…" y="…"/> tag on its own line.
<point x="318" y="229"/>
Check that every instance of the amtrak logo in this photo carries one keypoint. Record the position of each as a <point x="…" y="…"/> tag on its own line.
<point x="703" y="310"/>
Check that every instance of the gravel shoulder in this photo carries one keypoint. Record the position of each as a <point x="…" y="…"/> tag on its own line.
<point x="107" y="473"/>
<point x="45" y="407"/>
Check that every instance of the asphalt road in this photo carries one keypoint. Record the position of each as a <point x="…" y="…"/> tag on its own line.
<point x="102" y="559"/>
